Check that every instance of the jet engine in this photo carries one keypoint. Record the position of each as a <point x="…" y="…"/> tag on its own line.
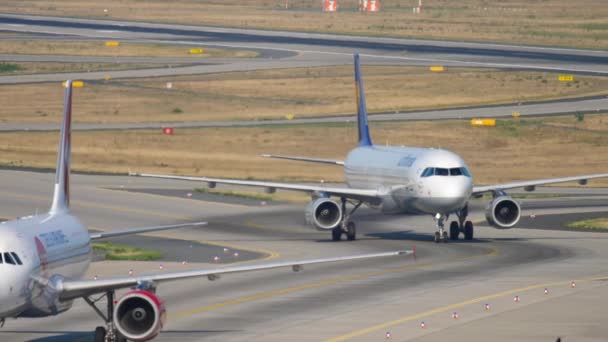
<point x="323" y="213"/>
<point x="503" y="212"/>
<point x="139" y="315"/>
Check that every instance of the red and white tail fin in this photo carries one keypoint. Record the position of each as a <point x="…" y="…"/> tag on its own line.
<point x="61" y="197"/>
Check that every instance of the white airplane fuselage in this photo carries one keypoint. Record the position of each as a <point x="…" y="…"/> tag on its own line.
<point x="398" y="171"/>
<point x="46" y="245"/>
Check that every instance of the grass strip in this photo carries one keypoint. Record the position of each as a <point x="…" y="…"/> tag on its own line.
<point x="122" y="252"/>
<point x="593" y="224"/>
<point x="237" y="194"/>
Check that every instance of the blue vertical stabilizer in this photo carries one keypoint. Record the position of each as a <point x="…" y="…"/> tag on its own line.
<point x="364" y="137"/>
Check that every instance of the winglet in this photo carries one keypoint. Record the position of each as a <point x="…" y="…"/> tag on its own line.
<point x="61" y="196"/>
<point x="364" y="137"/>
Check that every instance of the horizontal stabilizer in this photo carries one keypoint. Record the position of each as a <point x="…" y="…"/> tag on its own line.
<point x="305" y="159"/>
<point x="131" y="231"/>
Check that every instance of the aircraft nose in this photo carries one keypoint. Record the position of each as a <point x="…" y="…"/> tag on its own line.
<point x="4" y="289"/>
<point x="452" y="193"/>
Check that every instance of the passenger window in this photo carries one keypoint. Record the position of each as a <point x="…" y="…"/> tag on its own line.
<point x="16" y="257"/>
<point x="9" y="259"/>
<point x="456" y="172"/>
<point x="441" y="172"/>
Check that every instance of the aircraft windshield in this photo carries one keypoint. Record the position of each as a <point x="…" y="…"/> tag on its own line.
<point x="438" y="171"/>
<point x="10" y="258"/>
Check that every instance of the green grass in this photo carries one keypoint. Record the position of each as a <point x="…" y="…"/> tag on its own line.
<point x="594" y="224"/>
<point x="255" y="196"/>
<point x="9" y="67"/>
<point x="594" y="27"/>
<point x="121" y="252"/>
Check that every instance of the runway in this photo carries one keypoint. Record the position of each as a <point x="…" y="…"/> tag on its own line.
<point x="460" y="291"/>
<point x="337" y="302"/>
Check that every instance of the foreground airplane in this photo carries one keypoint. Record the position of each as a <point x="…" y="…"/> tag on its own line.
<point x="43" y="259"/>
<point x="398" y="180"/>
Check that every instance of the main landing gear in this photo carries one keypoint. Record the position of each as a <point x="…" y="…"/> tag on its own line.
<point x="109" y="332"/>
<point x="464" y="226"/>
<point x="346" y="226"/>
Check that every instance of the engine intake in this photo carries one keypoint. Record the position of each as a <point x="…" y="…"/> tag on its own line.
<point x="503" y="212"/>
<point x="139" y="315"/>
<point x="323" y="214"/>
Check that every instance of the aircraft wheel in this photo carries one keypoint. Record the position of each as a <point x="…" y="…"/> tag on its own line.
<point x="445" y="237"/>
<point x="351" y="231"/>
<point x="454" y="230"/>
<point x="120" y="338"/>
<point x="336" y="234"/>
<point x="468" y="230"/>
<point x="100" y="334"/>
<point x="437" y="237"/>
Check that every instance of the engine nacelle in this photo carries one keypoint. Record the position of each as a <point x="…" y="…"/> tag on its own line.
<point x="503" y="212"/>
<point x="323" y="213"/>
<point x="139" y="315"/>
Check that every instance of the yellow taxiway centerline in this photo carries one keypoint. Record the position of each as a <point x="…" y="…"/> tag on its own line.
<point x="492" y="251"/>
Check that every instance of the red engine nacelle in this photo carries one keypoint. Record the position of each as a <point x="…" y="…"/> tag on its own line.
<point x="139" y="315"/>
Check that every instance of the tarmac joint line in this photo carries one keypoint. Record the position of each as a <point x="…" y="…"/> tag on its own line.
<point x="450" y="307"/>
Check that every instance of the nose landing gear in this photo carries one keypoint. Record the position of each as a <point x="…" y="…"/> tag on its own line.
<point x="440" y="235"/>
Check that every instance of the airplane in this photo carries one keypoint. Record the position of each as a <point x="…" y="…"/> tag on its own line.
<point x="397" y="180"/>
<point x="43" y="259"/>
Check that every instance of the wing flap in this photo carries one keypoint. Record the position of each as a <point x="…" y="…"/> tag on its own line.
<point x="335" y="191"/>
<point x="71" y="289"/>
<point x="522" y="184"/>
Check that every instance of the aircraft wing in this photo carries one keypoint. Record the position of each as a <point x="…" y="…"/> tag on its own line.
<point x="305" y="159"/>
<point x="532" y="183"/>
<point x="71" y="289"/>
<point x="363" y="194"/>
<point x="130" y="231"/>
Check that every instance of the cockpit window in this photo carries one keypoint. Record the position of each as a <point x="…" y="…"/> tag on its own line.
<point x="9" y="259"/>
<point x="16" y="257"/>
<point x="456" y="171"/>
<point x="437" y="171"/>
<point x="441" y="172"/>
<point x="427" y="172"/>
